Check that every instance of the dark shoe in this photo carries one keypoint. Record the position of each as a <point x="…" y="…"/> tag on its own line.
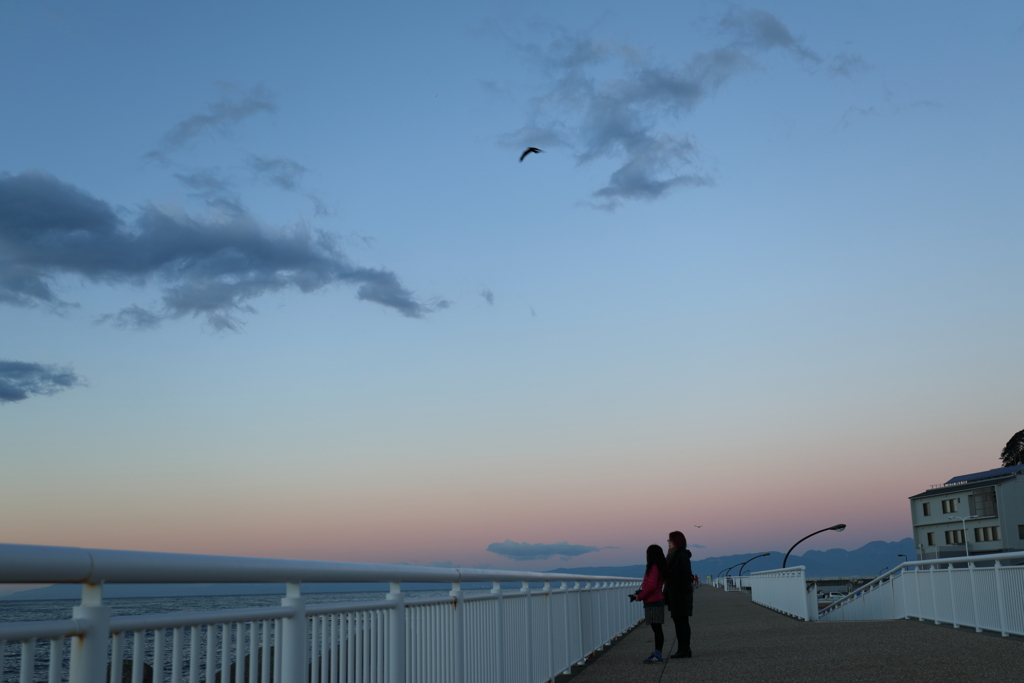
<point x="681" y="655"/>
<point x="653" y="659"/>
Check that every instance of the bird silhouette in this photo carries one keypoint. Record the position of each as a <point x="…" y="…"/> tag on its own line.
<point x="698" y="525"/>
<point x="528" y="150"/>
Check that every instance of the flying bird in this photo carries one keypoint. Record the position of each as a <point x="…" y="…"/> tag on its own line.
<point x="528" y="150"/>
<point x="698" y="525"/>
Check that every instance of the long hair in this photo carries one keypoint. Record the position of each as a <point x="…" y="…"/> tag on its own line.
<point x="678" y="539"/>
<point x="656" y="558"/>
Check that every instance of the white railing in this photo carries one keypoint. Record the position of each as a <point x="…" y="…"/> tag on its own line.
<point x="784" y="590"/>
<point x="985" y="598"/>
<point x="520" y="636"/>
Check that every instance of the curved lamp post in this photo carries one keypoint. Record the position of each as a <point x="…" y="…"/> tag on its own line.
<point x="881" y="570"/>
<point x="731" y="568"/>
<point x="750" y="560"/>
<point x="837" y="527"/>
<point x="903" y="556"/>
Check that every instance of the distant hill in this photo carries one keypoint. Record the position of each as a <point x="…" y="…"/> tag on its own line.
<point x="867" y="560"/>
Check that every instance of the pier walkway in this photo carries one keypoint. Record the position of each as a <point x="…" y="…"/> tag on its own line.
<point x="737" y="641"/>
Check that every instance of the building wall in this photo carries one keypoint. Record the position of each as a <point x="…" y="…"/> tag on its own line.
<point x="1009" y="517"/>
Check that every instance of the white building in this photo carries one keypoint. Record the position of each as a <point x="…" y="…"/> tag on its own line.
<point x="990" y="505"/>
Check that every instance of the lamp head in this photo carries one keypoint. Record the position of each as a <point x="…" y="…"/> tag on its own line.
<point x="837" y="527"/>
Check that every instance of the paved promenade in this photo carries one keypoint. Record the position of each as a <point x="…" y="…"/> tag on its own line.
<point x="736" y="641"/>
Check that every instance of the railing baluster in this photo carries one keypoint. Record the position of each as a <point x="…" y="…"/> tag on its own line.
<point x="278" y="640"/>
<point x="159" y="648"/>
<point x="194" y="646"/>
<point x="314" y="645"/>
<point x="324" y="650"/>
<point x="1000" y="599"/>
<point x="239" y="630"/>
<point x="225" y="653"/>
<point x="210" y="661"/>
<point x="56" y="660"/>
<point x="139" y="656"/>
<point x="254" y="651"/>
<point x="265" y="652"/>
<point x="28" y="659"/>
<point x="176" y="648"/>
<point x="116" y="657"/>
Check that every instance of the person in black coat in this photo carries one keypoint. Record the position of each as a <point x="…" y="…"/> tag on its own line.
<point x="679" y="591"/>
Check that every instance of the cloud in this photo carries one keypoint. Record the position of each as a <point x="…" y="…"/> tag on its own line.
<point x="761" y="30"/>
<point x="488" y="295"/>
<point x="19" y="380"/>
<point x="205" y="266"/>
<point x="234" y="106"/>
<point x="607" y="101"/>
<point x="282" y="172"/>
<point x="539" y="551"/>
<point x="847" y="64"/>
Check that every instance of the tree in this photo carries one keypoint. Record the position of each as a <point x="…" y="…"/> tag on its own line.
<point x="1013" y="452"/>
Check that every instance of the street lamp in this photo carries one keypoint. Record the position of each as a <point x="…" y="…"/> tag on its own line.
<point x="750" y="560"/>
<point x="837" y="527"/>
<point x="881" y="570"/>
<point x="903" y="556"/>
<point x="731" y="568"/>
<point x="967" y="547"/>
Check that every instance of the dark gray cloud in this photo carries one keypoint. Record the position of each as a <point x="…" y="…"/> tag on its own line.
<point x="539" y="551"/>
<point x="847" y="64"/>
<point x="608" y="101"/>
<point x="234" y="106"/>
<point x="20" y="380"/>
<point x="209" y="267"/>
<point x="133" y="317"/>
<point x="282" y="172"/>
<point x="763" y="31"/>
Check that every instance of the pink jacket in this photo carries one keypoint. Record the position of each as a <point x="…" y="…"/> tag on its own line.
<point x="650" y="589"/>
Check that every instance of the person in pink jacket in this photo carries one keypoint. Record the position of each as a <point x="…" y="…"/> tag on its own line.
<point x="654" y="599"/>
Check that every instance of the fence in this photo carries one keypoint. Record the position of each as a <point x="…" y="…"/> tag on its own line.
<point x="519" y="636"/>
<point x="949" y="590"/>
<point x="784" y="590"/>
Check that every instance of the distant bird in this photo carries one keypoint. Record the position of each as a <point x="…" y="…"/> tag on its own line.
<point x="528" y="150"/>
<point x="698" y="525"/>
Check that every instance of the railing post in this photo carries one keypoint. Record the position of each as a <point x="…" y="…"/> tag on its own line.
<point x="565" y="611"/>
<point x="999" y="599"/>
<point x="89" y="650"/>
<point x="935" y="598"/>
<point x="459" y="634"/>
<point x="499" y="629"/>
<point x="529" y="629"/>
<point x="974" y="597"/>
<point x="952" y="597"/>
<point x="396" y="635"/>
<point x="551" y="631"/>
<point x="293" y="636"/>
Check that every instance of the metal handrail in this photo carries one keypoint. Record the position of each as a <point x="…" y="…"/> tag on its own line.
<point x="899" y="569"/>
<point x="49" y="564"/>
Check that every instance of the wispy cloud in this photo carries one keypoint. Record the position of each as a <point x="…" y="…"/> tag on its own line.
<point x="20" y="380"/>
<point x="205" y="266"/>
<point x="285" y="173"/>
<point x="607" y="101"/>
<point x="234" y="106"/>
<point x="539" y="551"/>
<point x="847" y="64"/>
<point x="487" y="295"/>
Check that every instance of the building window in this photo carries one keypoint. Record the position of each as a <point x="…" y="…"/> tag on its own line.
<point x="955" y="537"/>
<point x="983" y="502"/>
<point x="986" y="533"/>
<point x="949" y="505"/>
<point x="927" y="509"/>
<point x="931" y="535"/>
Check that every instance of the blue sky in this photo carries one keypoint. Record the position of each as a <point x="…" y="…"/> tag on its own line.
<point x="764" y="274"/>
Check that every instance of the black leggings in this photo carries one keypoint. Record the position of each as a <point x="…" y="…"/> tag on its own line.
<point x="659" y="636"/>
<point x="682" y="624"/>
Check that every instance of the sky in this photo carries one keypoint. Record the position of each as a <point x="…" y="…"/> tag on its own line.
<point x="275" y="282"/>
